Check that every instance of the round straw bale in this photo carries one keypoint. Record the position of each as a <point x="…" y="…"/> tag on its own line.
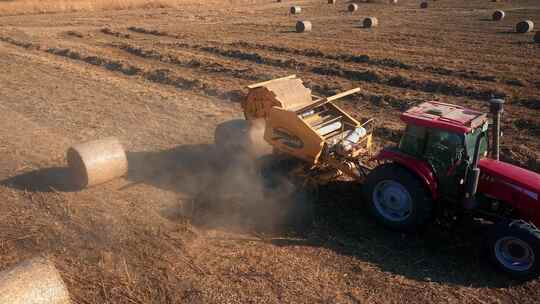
<point x="296" y="9"/>
<point x="370" y="22"/>
<point x="353" y="7"/>
<point x="303" y="26"/>
<point x="393" y="1"/>
<point x="96" y="162"/>
<point x="424" y="5"/>
<point x="498" y="15"/>
<point x="35" y="281"/>
<point x="331" y="1"/>
<point x="537" y="37"/>
<point x="524" y="26"/>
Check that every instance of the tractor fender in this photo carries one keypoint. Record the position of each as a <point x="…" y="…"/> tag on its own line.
<point x="421" y="168"/>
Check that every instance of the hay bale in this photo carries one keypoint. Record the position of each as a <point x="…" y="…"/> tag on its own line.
<point x="393" y="1"/>
<point x="303" y="26"/>
<point x="331" y="1"/>
<point x="370" y="22"/>
<point x="424" y="5"/>
<point x="524" y="26"/>
<point x="537" y="37"/>
<point x="498" y="15"/>
<point x="295" y="10"/>
<point x="96" y="162"/>
<point x="353" y="7"/>
<point x="34" y="281"/>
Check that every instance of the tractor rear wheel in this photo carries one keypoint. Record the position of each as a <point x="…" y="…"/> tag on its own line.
<point x="514" y="248"/>
<point x="397" y="198"/>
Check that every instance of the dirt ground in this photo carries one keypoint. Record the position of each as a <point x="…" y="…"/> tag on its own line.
<point x="161" y="80"/>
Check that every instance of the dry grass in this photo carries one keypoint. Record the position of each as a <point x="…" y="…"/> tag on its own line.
<point x="16" y="7"/>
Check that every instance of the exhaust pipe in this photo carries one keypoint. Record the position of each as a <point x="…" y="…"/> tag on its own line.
<point x="496" y="109"/>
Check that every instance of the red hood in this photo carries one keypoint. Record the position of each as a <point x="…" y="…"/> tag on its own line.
<point x="512" y="174"/>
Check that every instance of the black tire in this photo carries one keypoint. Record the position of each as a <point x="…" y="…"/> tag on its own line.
<point x="514" y="230"/>
<point x="421" y="201"/>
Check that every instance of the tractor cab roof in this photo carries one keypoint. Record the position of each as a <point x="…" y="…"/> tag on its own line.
<point x="444" y="116"/>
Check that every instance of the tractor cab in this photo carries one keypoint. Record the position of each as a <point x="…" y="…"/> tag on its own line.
<point x="445" y="138"/>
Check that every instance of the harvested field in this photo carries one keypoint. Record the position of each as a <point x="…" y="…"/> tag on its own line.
<point x="161" y="76"/>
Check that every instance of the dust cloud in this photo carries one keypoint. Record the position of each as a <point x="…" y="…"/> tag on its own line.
<point x="236" y="183"/>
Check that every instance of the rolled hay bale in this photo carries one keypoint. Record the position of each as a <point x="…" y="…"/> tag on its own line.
<point x="370" y="22"/>
<point x="35" y="281"/>
<point x="96" y="162"/>
<point x="331" y="1"/>
<point x="424" y="5"/>
<point x="498" y="15"/>
<point x="303" y="26"/>
<point x="524" y="26"/>
<point x="295" y="10"/>
<point x="537" y="37"/>
<point x="353" y="7"/>
<point x="393" y="1"/>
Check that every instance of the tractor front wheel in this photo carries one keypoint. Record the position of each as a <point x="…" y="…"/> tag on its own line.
<point x="397" y="198"/>
<point x="514" y="248"/>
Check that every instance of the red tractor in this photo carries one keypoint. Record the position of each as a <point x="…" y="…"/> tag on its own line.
<point x="440" y="166"/>
<point x="442" y="163"/>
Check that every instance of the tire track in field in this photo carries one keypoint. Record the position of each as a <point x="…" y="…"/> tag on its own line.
<point x="208" y="67"/>
<point x="164" y="76"/>
<point x="161" y="76"/>
<point x="385" y="62"/>
<point x="338" y="70"/>
<point x="384" y="100"/>
<point x="354" y="58"/>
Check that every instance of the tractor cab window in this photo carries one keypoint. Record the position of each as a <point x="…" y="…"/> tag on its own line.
<point x="413" y="140"/>
<point x="470" y="140"/>
<point x="442" y="143"/>
<point x="444" y="149"/>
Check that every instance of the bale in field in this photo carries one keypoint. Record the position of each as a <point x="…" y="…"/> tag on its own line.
<point x="537" y="37"/>
<point x="295" y="10"/>
<point x="303" y="26"/>
<point x="424" y="4"/>
<point x="370" y="22"/>
<point x="524" y="26"/>
<point x="33" y="282"/>
<point x="331" y="1"/>
<point x="498" y="15"/>
<point x="353" y="7"/>
<point x="96" y="162"/>
<point x="393" y="1"/>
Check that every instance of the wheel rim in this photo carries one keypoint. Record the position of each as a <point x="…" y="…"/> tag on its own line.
<point x="392" y="201"/>
<point x="514" y="254"/>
